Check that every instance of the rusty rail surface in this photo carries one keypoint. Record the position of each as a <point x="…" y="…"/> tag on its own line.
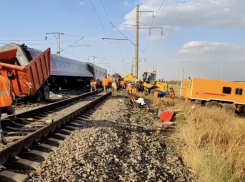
<point x="33" y="137"/>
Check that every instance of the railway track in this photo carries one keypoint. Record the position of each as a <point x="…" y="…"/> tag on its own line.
<point x="29" y="140"/>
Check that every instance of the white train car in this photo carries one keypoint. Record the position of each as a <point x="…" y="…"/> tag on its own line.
<point x="98" y="72"/>
<point x="65" y="72"/>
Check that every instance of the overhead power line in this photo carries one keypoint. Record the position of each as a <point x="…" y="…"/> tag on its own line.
<point x="118" y="54"/>
<point x="155" y="23"/>
<point x="98" y="17"/>
<point x="112" y="27"/>
<point x="88" y="47"/>
<point x="171" y="26"/>
<point x="162" y="10"/>
<point x="123" y="34"/>
<point x="71" y="45"/>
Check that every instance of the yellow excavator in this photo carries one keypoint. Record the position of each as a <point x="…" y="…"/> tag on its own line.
<point x="148" y="84"/>
<point x="151" y="85"/>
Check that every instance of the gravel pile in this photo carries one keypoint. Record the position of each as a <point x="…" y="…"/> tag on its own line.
<point x="115" y="144"/>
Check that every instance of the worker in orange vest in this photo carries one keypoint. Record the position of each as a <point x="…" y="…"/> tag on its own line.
<point x="129" y="88"/>
<point x="109" y="80"/>
<point x="105" y="84"/>
<point x="122" y="83"/>
<point x="5" y="103"/>
<point x="172" y="94"/>
<point x="93" y="85"/>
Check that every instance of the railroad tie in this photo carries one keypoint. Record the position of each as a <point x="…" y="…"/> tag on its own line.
<point x="9" y="176"/>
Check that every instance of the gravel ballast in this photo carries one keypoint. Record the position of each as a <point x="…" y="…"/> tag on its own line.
<point x="109" y="148"/>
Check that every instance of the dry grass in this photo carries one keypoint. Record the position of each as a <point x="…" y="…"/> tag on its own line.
<point x="211" y="141"/>
<point x="215" y="144"/>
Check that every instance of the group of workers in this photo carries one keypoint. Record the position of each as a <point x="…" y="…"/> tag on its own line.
<point x="108" y="82"/>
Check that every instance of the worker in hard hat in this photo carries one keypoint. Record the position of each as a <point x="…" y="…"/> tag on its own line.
<point x="5" y="103"/>
<point x="93" y="85"/>
<point x="105" y="83"/>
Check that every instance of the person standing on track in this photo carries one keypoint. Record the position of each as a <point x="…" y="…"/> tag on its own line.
<point x="105" y="84"/>
<point x="114" y="85"/>
<point x="5" y="102"/>
<point x="93" y="85"/>
<point x="109" y="80"/>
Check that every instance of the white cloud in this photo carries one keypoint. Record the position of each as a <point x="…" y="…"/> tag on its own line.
<point x="204" y="59"/>
<point x="81" y="3"/>
<point x="207" y="51"/>
<point x="207" y="47"/>
<point x="205" y="13"/>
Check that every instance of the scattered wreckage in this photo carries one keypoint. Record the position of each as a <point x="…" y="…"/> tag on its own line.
<point x="166" y="116"/>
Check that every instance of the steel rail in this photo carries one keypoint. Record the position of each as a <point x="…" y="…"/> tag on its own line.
<point x="24" y="143"/>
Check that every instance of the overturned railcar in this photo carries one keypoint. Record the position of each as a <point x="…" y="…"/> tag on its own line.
<point x="65" y="73"/>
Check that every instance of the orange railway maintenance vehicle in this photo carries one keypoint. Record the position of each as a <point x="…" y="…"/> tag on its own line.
<point x="224" y="94"/>
<point x="30" y="80"/>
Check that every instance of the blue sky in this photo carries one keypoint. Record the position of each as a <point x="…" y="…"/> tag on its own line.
<point x="206" y="35"/>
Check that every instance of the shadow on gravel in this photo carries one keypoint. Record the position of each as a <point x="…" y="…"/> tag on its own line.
<point x="122" y="152"/>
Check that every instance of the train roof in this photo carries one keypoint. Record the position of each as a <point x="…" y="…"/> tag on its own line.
<point x="91" y="64"/>
<point x="60" y="65"/>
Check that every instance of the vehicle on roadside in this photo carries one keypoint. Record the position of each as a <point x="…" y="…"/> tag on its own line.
<point x="215" y="93"/>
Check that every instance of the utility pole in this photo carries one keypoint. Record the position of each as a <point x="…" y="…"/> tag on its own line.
<point x="58" y="40"/>
<point x="137" y="42"/>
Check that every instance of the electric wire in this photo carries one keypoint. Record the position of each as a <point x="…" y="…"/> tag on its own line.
<point x="170" y="26"/>
<point x="103" y="27"/>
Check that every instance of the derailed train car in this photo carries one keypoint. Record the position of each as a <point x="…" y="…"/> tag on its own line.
<point x="65" y="73"/>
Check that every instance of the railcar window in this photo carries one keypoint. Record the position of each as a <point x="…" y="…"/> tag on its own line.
<point x="67" y="65"/>
<point x="58" y="63"/>
<point x="239" y="91"/>
<point x="64" y="65"/>
<point x="227" y="90"/>
<point x="52" y="63"/>
<point x="61" y="64"/>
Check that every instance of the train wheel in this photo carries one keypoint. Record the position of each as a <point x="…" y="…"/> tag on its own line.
<point x="38" y="96"/>
<point x="229" y="108"/>
<point x="46" y="93"/>
<point x="213" y="104"/>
